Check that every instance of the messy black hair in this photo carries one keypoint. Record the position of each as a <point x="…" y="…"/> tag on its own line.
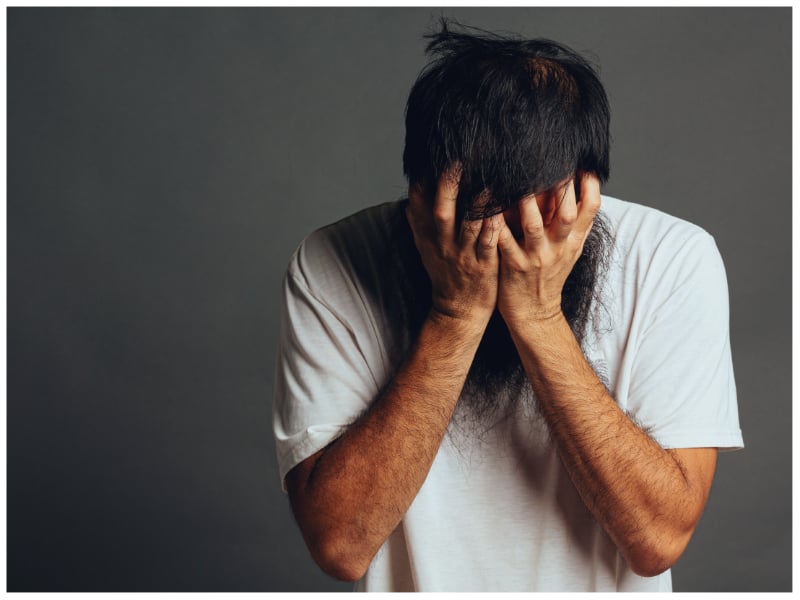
<point x="517" y="115"/>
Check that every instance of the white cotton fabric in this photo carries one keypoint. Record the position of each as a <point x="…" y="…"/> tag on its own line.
<point x="498" y="511"/>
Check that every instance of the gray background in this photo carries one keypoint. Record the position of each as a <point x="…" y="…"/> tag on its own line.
<point x="164" y="164"/>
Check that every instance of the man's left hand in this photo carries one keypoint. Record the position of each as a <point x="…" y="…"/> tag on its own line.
<point x="533" y="270"/>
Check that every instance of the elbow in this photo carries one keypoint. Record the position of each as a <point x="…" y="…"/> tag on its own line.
<point x="650" y="565"/>
<point x="341" y="568"/>
<point x="337" y="549"/>
<point x="657" y="555"/>
<point x="337" y="558"/>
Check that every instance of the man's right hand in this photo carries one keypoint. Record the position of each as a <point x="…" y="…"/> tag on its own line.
<point x="461" y="259"/>
<point x="350" y="496"/>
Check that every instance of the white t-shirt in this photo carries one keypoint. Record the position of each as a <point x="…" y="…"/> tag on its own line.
<point x="498" y="511"/>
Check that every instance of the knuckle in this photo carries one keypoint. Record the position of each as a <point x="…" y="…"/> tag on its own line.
<point x="441" y="215"/>
<point x="473" y="230"/>
<point x="537" y="263"/>
<point x="503" y="237"/>
<point x="489" y="238"/>
<point x="487" y="243"/>
<point x="532" y="230"/>
<point x="568" y="217"/>
<point x="463" y="263"/>
<point x="593" y="203"/>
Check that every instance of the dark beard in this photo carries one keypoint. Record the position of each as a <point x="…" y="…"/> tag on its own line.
<point x="496" y="383"/>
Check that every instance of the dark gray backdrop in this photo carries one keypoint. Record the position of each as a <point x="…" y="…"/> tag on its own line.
<point x="164" y="163"/>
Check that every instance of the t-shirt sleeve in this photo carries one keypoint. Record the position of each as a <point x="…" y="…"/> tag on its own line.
<point x="322" y="382"/>
<point x="682" y="386"/>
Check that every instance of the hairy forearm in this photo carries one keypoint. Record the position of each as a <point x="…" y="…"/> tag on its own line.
<point x="363" y="483"/>
<point x="632" y="486"/>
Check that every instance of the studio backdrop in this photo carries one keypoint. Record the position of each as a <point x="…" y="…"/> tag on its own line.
<point x="163" y="165"/>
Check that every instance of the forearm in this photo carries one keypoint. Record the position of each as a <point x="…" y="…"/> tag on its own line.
<point x="632" y="486"/>
<point x="363" y="483"/>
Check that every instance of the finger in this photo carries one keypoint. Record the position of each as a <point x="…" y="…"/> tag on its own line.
<point x="470" y="232"/>
<point x="486" y="246"/>
<point x="509" y="248"/>
<point x="531" y="222"/>
<point x="444" y="205"/>
<point x="565" y="214"/>
<point x="589" y="204"/>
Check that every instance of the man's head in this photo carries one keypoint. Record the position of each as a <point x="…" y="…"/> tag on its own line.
<point x="519" y="116"/>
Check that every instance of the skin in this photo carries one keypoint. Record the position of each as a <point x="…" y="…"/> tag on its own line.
<point x="649" y="500"/>
<point x="350" y="496"/>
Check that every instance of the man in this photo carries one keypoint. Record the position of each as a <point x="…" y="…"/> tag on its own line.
<point x="505" y="381"/>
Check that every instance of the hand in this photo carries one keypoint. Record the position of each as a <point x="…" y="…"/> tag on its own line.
<point x="461" y="258"/>
<point x="533" y="270"/>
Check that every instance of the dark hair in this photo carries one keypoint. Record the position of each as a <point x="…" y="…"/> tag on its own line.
<point x="518" y="116"/>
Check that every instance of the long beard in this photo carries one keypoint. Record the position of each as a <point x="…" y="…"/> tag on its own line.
<point x="496" y="383"/>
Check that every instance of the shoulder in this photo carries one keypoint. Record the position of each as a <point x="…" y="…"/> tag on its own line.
<point x="660" y="257"/>
<point x="647" y="240"/>
<point x="337" y="251"/>
<point x="647" y="227"/>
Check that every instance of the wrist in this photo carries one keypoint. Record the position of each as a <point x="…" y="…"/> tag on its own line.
<point x="461" y="325"/>
<point x="533" y="316"/>
<point x="540" y="325"/>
